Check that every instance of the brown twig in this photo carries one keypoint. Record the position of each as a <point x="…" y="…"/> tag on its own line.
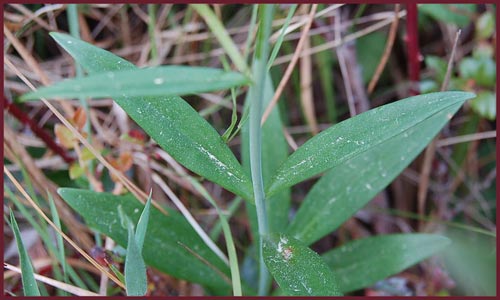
<point x="306" y="92"/>
<point x="387" y="51"/>
<point x="430" y="151"/>
<point x="290" y="67"/>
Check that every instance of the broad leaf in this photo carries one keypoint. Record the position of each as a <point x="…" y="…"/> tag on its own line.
<point x="165" y="242"/>
<point x="170" y="121"/>
<point x="363" y="262"/>
<point x="352" y="137"/>
<point x="345" y="189"/>
<point x="298" y="270"/>
<point x="163" y="81"/>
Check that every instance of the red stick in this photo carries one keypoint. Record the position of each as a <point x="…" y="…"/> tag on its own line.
<point x="413" y="49"/>
<point x="48" y="140"/>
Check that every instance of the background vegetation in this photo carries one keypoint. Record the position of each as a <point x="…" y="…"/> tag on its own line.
<point x="355" y="57"/>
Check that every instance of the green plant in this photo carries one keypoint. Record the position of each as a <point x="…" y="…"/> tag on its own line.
<point x="359" y="157"/>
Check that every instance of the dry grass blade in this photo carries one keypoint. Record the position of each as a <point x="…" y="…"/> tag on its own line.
<point x="189" y="217"/>
<point x="138" y="193"/>
<point x="306" y="92"/>
<point x="18" y="154"/>
<point x="430" y="151"/>
<point x="49" y="221"/>
<point x="466" y="138"/>
<point x="33" y="64"/>
<point x="290" y="67"/>
<point x="387" y="51"/>
<point x="57" y="284"/>
<point x="335" y="43"/>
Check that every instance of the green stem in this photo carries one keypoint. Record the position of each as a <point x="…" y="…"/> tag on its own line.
<point x="151" y="32"/>
<point x="257" y="94"/>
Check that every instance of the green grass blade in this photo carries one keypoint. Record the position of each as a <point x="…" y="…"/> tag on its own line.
<point x="170" y="121"/>
<point x="163" y="243"/>
<point x="142" y="224"/>
<point x="298" y="270"/>
<point x="354" y="136"/>
<point x="228" y="237"/>
<point x="59" y="238"/>
<point x="222" y="36"/>
<point x="166" y="81"/>
<point x="279" y="41"/>
<point x="363" y="262"/>
<point x="135" y="269"/>
<point x="29" y="283"/>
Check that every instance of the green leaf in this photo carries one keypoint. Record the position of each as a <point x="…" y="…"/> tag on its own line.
<point x="481" y="69"/>
<point x="449" y="13"/>
<point x="345" y="189"/>
<point x="351" y="138"/>
<point x="135" y="269"/>
<point x="27" y="275"/>
<point x="438" y="65"/>
<point x="170" y="121"/>
<point x="471" y="262"/>
<point x="166" y="81"/>
<point x="363" y="262"/>
<point x="485" y="105"/>
<point x="142" y="224"/>
<point x="485" y="25"/>
<point x="298" y="270"/>
<point x="222" y="35"/>
<point x="165" y="242"/>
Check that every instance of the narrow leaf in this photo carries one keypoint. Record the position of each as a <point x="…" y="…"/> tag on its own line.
<point x="163" y="244"/>
<point x="363" y="262"/>
<point x="298" y="270"/>
<point x="166" y="81"/>
<point x="345" y="189"/>
<point x="170" y="121"/>
<point x="59" y="238"/>
<point x="356" y="135"/>
<point x="135" y="269"/>
<point x="222" y="36"/>
<point x="27" y="274"/>
<point x="142" y="224"/>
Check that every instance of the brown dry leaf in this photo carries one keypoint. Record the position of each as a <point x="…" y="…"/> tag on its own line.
<point x="122" y="163"/>
<point x="79" y="118"/>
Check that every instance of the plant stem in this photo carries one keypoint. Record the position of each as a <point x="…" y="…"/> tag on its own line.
<point x="257" y="94"/>
<point x="151" y="32"/>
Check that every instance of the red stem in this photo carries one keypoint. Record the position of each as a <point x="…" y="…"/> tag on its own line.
<point x="48" y="140"/>
<point x="413" y="49"/>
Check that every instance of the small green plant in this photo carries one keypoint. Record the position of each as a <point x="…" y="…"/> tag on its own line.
<point x="357" y="158"/>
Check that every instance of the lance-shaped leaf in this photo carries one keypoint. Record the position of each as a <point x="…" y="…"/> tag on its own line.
<point x="170" y="121"/>
<point x="345" y="189"/>
<point x="298" y="270"/>
<point x="363" y="262"/>
<point x="27" y="274"/>
<point x="135" y="269"/>
<point x="165" y="242"/>
<point x="163" y="81"/>
<point x="356" y="135"/>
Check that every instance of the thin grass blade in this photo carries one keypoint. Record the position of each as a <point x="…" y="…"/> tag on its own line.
<point x="30" y="286"/>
